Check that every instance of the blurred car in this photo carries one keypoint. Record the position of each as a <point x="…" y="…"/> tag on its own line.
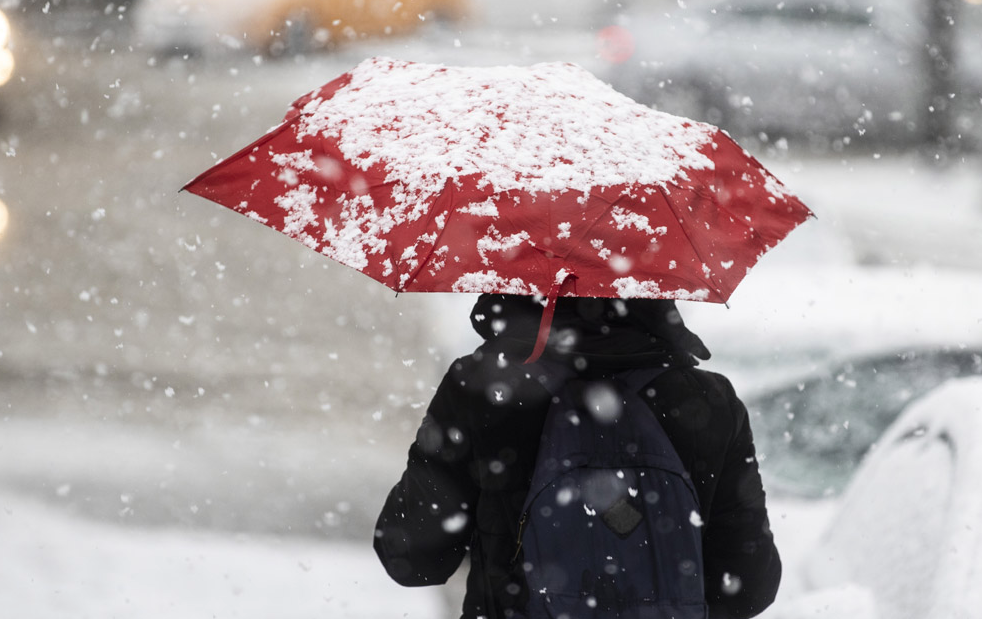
<point x="106" y="19"/>
<point x="829" y="70"/>
<point x="6" y="54"/>
<point x="905" y="542"/>
<point x="813" y="433"/>
<point x="826" y="353"/>
<point x="279" y="26"/>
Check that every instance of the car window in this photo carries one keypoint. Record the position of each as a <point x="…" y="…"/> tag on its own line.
<point x="806" y="13"/>
<point x="831" y="12"/>
<point x="812" y="435"/>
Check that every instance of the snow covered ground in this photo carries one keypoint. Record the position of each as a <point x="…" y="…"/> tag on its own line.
<point x="59" y="567"/>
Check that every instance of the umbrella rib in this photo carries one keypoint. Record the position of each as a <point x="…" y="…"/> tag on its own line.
<point x="432" y="215"/>
<point x="745" y="222"/>
<point x="753" y="230"/>
<point x="422" y="263"/>
<point x="748" y="224"/>
<point x="709" y="274"/>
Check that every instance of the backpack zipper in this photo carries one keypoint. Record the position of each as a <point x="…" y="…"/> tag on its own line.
<point x="518" y="542"/>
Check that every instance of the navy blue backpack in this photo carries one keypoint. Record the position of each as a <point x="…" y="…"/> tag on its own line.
<point x="611" y="523"/>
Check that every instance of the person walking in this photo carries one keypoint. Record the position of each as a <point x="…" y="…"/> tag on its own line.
<point x="543" y="180"/>
<point x="470" y="467"/>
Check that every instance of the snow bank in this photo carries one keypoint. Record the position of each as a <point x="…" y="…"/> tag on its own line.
<point x="55" y="567"/>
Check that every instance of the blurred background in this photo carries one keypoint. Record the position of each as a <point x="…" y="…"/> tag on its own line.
<point x="200" y="418"/>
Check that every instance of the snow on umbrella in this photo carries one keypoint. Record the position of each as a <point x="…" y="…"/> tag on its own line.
<point x="537" y="180"/>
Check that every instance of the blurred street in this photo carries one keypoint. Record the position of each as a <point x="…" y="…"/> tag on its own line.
<point x="128" y="304"/>
<point x="167" y="364"/>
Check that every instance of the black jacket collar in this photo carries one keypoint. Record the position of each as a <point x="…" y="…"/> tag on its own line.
<point x="590" y="333"/>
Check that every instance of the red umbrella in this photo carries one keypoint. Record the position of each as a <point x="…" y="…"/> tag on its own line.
<point x="536" y="180"/>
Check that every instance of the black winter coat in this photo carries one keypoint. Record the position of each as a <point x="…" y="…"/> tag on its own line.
<point x="470" y="466"/>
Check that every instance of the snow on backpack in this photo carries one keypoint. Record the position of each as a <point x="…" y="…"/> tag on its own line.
<point x="611" y="523"/>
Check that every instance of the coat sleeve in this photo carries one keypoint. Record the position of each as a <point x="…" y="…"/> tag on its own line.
<point x="743" y="568"/>
<point x="428" y="518"/>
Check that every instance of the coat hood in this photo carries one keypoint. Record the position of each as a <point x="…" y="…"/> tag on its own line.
<point x="603" y="332"/>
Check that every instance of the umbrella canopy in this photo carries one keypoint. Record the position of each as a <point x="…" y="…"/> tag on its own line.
<point x="537" y="180"/>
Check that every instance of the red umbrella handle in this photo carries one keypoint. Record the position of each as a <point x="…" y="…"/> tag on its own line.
<point x="564" y="283"/>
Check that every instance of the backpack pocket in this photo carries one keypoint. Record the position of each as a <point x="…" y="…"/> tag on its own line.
<point x="614" y="542"/>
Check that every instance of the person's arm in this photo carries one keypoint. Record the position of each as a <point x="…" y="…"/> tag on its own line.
<point x="743" y="568"/>
<point x="423" y="530"/>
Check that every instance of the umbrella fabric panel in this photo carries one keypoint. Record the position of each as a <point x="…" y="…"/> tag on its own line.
<point x="602" y="239"/>
<point x="734" y="213"/>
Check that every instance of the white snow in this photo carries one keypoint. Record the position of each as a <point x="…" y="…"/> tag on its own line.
<point x="352" y="243"/>
<point x="299" y="203"/>
<point x="291" y="163"/>
<point x="58" y="567"/>
<point x="602" y="252"/>
<point x="455" y="523"/>
<point x="624" y="218"/>
<point x="479" y="281"/>
<point x="631" y="288"/>
<point x="480" y="209"/>
<point x="561" y="276"/>
<point x="494" y="241"/>
<point x="299" y="161"/>
<point x="695" y="519"/>
<point x="428" y="123"/>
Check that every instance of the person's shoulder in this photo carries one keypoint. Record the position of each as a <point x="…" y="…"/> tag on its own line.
<point x="687" y="383"/>
<point x="695" y="377"/>
<point x="713" y="380"/>
<point x="464" y="372"/>
<point x="479" y="365"/>
<point x="486" y="371"/>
